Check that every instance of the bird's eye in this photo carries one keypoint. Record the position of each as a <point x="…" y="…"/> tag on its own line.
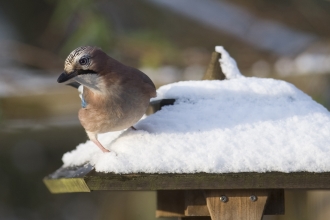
<point x="83" y="61"/>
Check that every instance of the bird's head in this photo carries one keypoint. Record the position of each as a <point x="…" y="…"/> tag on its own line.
<point x="83" y="64"/>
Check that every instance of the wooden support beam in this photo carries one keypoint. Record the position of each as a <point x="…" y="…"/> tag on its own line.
<point x="187" y="204"/>
<point x="170" y="203"/>
<point x="236" y="204"/>
<point x="195" y="203"/>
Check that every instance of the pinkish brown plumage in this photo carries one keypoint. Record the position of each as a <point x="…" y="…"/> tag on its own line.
<point x="114" y="97"/>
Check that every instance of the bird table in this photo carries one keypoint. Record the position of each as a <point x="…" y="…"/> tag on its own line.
<point x="199" y="195"/>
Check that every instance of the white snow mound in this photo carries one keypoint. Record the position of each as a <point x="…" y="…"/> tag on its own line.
<point x="239" y="125"/>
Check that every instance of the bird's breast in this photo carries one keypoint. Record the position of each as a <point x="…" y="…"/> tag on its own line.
<point x="117" y="109"/>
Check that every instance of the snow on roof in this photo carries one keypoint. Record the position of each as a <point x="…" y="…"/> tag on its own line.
<point x="244" y="124"/>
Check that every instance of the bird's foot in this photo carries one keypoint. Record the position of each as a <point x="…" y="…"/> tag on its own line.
<point x="133" y="128"/>
<point x="104" y="150"/>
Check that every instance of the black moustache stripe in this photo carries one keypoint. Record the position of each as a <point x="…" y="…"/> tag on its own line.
<point x="82" y="72"/>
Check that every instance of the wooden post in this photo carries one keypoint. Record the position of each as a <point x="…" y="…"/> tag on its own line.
<point x="236" y="204"/>
<point x="214" y="71"/>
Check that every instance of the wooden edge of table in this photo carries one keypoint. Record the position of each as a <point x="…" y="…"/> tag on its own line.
<point x="86" y="179"/>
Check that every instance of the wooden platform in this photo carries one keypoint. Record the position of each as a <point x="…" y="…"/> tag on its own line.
<point x="86" y="179"/>
<point x="196" y="196"/>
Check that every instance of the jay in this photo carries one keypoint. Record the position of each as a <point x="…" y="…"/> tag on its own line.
<point x="114" y="96"/>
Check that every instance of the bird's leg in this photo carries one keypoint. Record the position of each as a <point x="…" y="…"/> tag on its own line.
<point x="95" y="141"/>
<point x="93" y="137"/>
<point x="133" y="128"/>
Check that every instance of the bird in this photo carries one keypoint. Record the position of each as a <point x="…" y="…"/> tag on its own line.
<point x="114" y="96"/>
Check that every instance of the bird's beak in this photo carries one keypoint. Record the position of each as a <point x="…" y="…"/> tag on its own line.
<point x="66" y="76"/>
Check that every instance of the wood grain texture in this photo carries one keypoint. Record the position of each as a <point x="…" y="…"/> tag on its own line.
<point x="170" y="203"/>
<point x="68" y="179"/>
<point x="195" y="203"/>
<point x="238" y="206"/>
<point x="192" y="203"/>
<point x="145" y="181"/>
<point x="66" y="185"/>
<point x="276" y="203"/>
<point x="214" y="71"/>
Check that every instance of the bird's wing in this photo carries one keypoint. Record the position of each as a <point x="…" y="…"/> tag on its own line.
<point x="152" y="87"/>
<point x="147" y="80"/>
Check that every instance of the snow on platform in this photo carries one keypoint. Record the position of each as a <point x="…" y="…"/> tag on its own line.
<point x="244" y="124"/>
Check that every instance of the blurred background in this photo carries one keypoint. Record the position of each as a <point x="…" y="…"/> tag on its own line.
<point x="170" y="40"/>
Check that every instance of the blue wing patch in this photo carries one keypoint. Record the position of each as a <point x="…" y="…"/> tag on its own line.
<point x="83" y="102"/>
<point x="81" y="95"/>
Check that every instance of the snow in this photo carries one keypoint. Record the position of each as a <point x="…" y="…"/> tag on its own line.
<point x="244" y="124"/>
<point x="228" y="64"/>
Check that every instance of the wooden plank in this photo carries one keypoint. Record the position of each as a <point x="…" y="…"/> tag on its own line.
<point x="195" y="203"/>
<point x="237" y="204"/>
<point x="170" y="203"/>
<point x="66" y="185"/>
<point x="143" y="181"/>
<point x="275" y="203"/>
<point x="68" y="179"/>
